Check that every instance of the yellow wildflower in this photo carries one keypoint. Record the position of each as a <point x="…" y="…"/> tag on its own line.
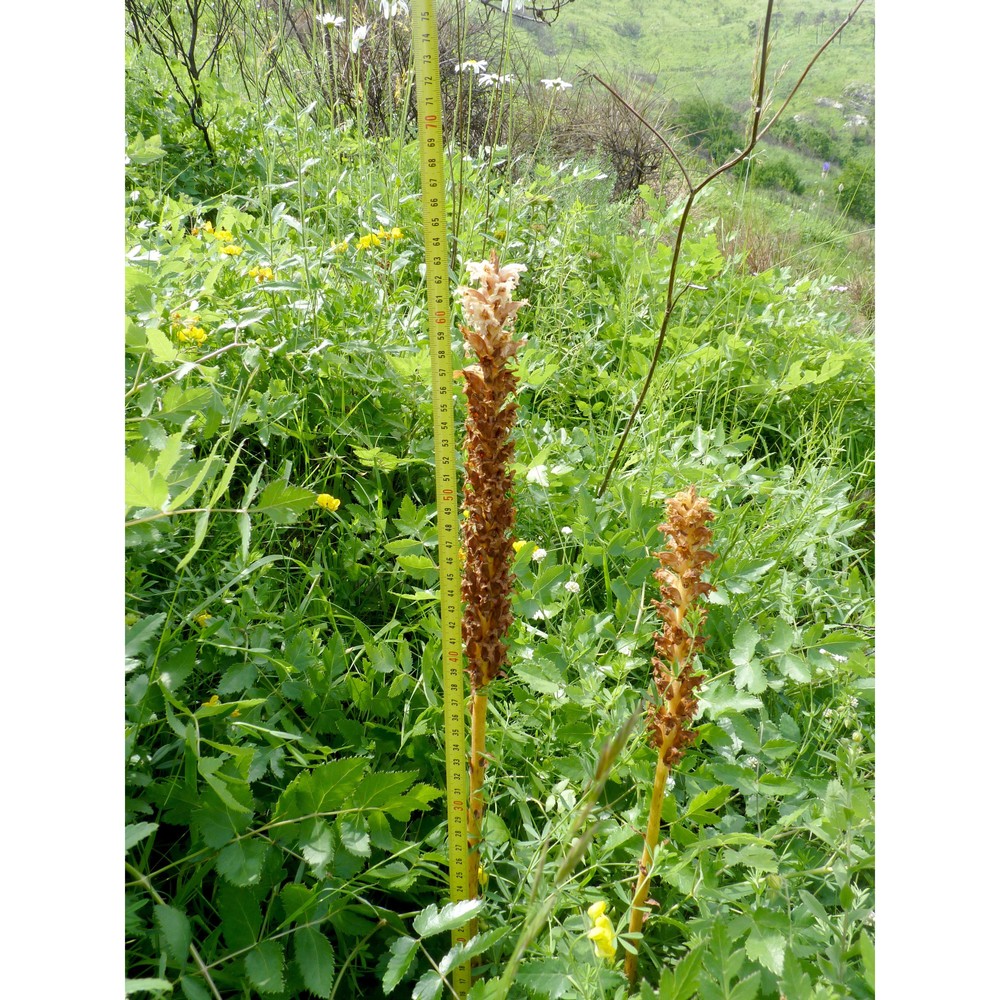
<point x="192" y="335"/>
<point x="232" y="250"/>
<point x="234" y="713"/>
<point x="500" y="233"/>
<point x="222" y="234"/>
<point x="203" y="227"/>
<point x="519" y="543"/>
<point x="371" y="240"/>
<point x="212" y="702"/>
<point x="396" y="233"/>
<point x="339" y="247"/>
<point x="602" y="934"/>
<point x="327" y="502"/>
<point x="261" y="274"/>
<point x="483" y="877"/>
<point x="203" y="619"/>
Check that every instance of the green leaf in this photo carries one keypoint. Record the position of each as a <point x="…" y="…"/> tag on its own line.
<point x="141" y="632"/>
<point x="463" y="951"/>
<point x="754" y="856"/>
<point x="746" y="989"/>
<point x="718" y="697"/>
<point x="134" y="832"/>
<point x="190" y="490"/>
<point x="325" y="789"/>
<point x="265" y="967"/>
<point x="401" y="954"/>
<point x="547" y="976"/>
<point x="683" y="980"/>
<point x="314" y="957"/>
<point x="541" y="676"/>
<point x="795" y="668"/>
<point x="353" y="830"/>
<point x="488" y="989"/>
<point x="200" y="530"/>
<point x="283" y="503"/>
<point x="194" y="989"/>
<point x="867" y="949"/>
<point x="767" y="946"/>
<point x="795" y="982"/>
<point x="239" y="913"/>
<point x="451" y="916"/>
<point x="241" y="862"/>
<point x="429" y="986"/>
<point x="227" y="477"/>
<point x="744" y="643"/>
<point x="176" y="931"/>
<point x="146" y="986"/>
<point x="160" y="345"/>
<point x="751" y="677"/>
<point x="699" y="809"/>
<point x="143" y="488"/>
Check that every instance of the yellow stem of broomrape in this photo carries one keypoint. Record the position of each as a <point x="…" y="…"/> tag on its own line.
<point x="477" y="773"/>
<point x="652" y="839"/>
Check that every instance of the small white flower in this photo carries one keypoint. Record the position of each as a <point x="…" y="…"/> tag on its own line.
<point x="572" y="586"/>
<point x="827" y="713"/>
<point x="854" y="702"/>
<point x="566" y="530"/>
<point x="538" y="555"/>
<point x="476" y="65"/>
<point x="134" y="196"/>
<point x="671" y="781"/>
<point x="390" y="8"/>
<point x="495" y="79"/>
<point x="856" y="736"/>
<point x="559" y="83"/>
<point x="528" y="653"/>
<point x="833" y="656"/>
<point x="751" y="762"/>
<point x="360" y="34"/>
<point x="330" y="20"/>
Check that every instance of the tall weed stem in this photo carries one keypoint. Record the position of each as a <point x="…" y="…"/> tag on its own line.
<point x="682" y="563"/>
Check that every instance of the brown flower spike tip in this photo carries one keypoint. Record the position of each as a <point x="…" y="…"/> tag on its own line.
<point x="489" y="505"/>
<point x="682" y="563"/>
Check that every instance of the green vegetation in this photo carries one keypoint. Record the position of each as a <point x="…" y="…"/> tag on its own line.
<point x="285" y="828"/>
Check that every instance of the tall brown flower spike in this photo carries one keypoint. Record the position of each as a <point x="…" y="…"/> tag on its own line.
<point x="487" y="581"/>
<point x="682" y="563"/>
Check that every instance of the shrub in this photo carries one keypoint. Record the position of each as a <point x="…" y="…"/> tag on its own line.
<point x="777" y="173"/>
<point x="856" y="193"/>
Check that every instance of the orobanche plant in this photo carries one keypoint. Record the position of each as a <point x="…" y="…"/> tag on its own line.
<point x="488" y="527"/>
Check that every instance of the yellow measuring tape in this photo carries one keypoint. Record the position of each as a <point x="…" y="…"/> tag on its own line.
<point x="425" y="55"/>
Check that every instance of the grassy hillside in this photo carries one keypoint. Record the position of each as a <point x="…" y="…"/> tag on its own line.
<point x="706" y="47"/>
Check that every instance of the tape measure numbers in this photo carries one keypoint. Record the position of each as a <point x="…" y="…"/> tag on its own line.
<point x="428" y="89"/>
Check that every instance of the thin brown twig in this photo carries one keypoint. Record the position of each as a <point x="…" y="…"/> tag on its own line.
<point x="694" y="189"/>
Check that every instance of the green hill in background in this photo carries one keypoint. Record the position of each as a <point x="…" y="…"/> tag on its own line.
<point x="705" y="48"/>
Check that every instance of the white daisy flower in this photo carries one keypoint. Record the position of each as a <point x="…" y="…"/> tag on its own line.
<point x="390" y="8"/>
<point x="559" y="83"/>
<point x="360" y="34"/>
<point x="476" y="65"/>
<point x="331" y="20"/>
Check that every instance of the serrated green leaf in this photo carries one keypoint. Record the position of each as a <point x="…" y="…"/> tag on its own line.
<point x="488" y="989"/>
<point x="141" y="632"/>
<point x="160" y="346"/>
<point x="795" y="667"/>
<point x="283" y="503"/>
<point x="176" y="930"/>
<point x="754" y="856"/>
<point x="318" y="846"/>
<point x="194" y="989"/>
<point x="699" y="809"/>
<point x="429" y="986"/>
<point x="547" y="976"/>
<point x="795" y="982"/>
<point x="718" y="698"/>
<point x="325" y="789"/>
<point x="144" y="488"/>
<point x="239" y="913"/>
<point x="419" y="797"/>
<point x="744" y="643"/>
<point x="466" y="950"/>
<point x="766" y="946"/>
<point x="683" y="979"/>
<point x="353" y="831"/>
<point x="207" y="768"/>
<point x="200" y="530"/>
<point x="241" y="862"/>
<point x="750" y="676"/>
<point x="314" y="957"/>
<point x="265" y="967"/>
<point x="134" y="832"/>
<point x="195" y="484"/>
<point x="746" y="989"/>
<point x="227" y="476"/>
<point x="540" y="676"/>
<point x="432" y="920"/>
<point x="866" y="948"/>
<point x="401" y="954"/>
